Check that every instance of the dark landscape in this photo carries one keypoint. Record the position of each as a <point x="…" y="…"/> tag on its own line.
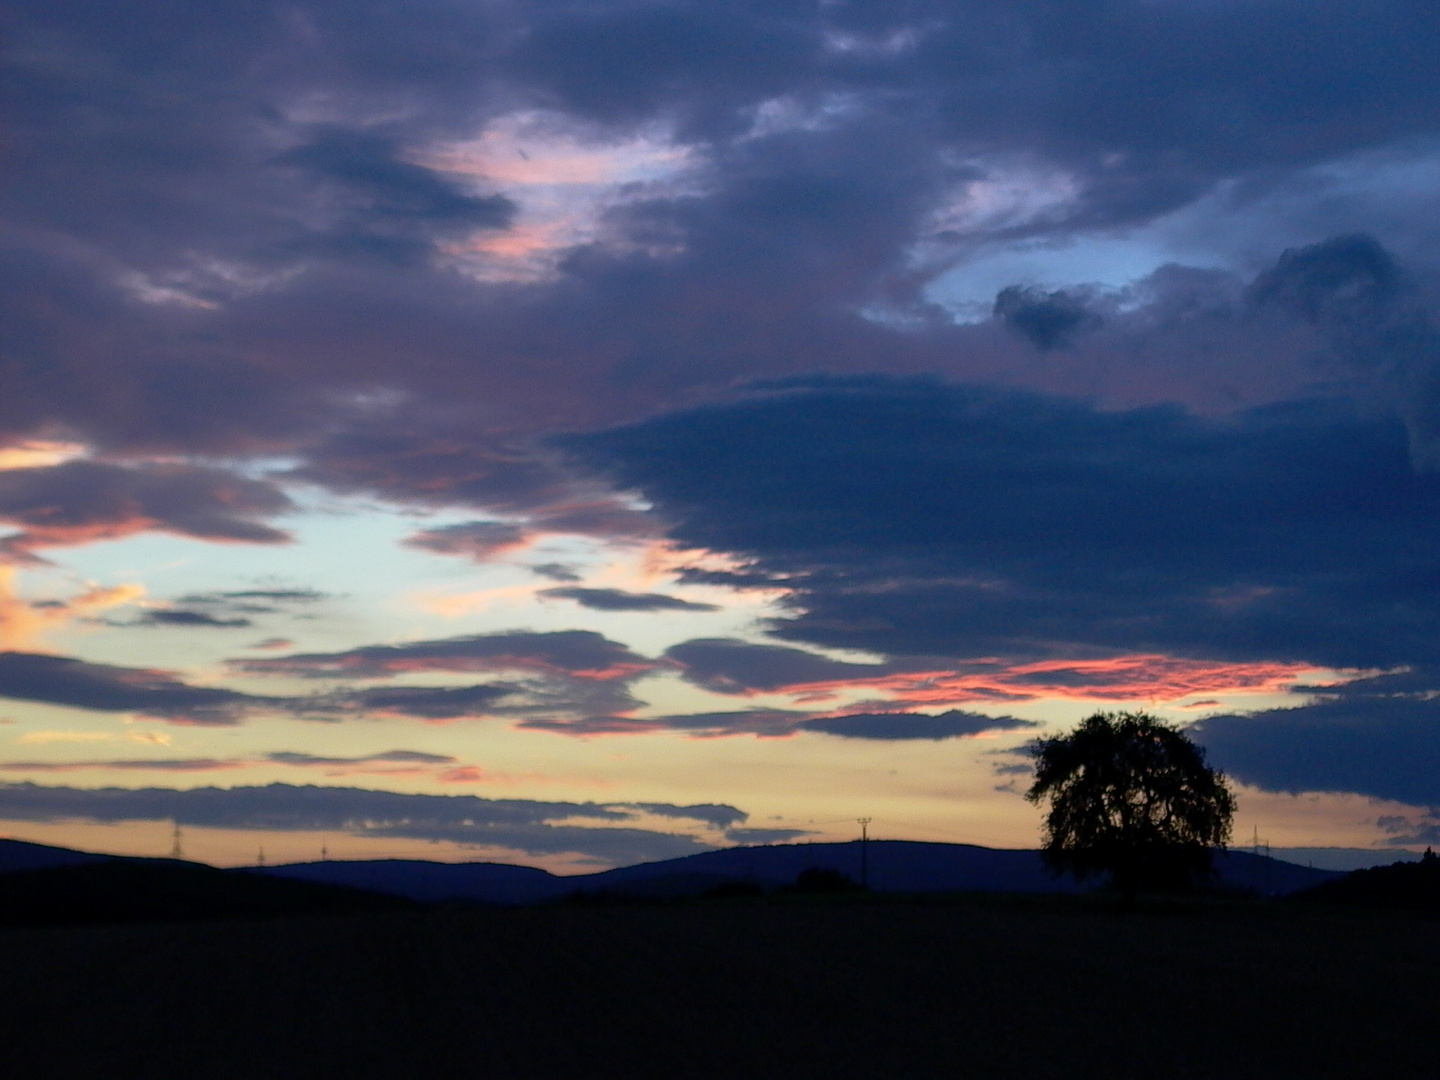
<point x="705" y="983"/>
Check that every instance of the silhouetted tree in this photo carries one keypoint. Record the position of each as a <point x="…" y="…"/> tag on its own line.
<point x="1130" y="796"/>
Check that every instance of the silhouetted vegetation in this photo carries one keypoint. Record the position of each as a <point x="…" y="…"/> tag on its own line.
<point x="1414" y="885"/>
<point x="134" y="890"/>
<point x="1131" y="797"/>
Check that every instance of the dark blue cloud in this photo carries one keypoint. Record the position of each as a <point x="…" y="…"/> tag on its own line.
<point x="1048" y="320"/>
<point x="625" y="62"/>
<point x="181" y="617"/>
<point x="431" y="702"/>
<point x="732" y="666"/>
<point x="907" y="725"/>
<point x="916" y="518"/>
<point x="620" y="600"/>
<point x="1374" y="317"/>
<point x="545" y="694"/>
<point x="60" y="680"/>
<point x="582" y="652"/>
<point x="1378" y="736"/>
<point x="379" y="205"/>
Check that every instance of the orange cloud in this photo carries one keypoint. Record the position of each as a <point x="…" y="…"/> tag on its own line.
<point x="23" y="623"/>
<point x="34" y="454"/>
<point x="1127" y="678"/>
<point x="466" y="774"/>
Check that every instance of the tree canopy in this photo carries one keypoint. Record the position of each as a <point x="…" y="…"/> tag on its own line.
<point x="1130" y="796"/>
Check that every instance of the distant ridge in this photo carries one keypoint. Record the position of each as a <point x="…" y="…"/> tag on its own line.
<point x="104" y="889"/>
<point x="23" y="855"/>
<point x="895" y="866"/>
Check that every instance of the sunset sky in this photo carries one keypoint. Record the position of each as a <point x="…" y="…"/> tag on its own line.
<point x="586" y="433"/>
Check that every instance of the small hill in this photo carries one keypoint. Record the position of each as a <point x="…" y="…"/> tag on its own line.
<point x="145" y="890"/>
<point x="23" y="855"/>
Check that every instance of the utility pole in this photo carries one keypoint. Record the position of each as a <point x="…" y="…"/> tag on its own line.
<point x="864" y="851"/>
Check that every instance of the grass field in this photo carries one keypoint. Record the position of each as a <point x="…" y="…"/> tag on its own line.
<point x="793" y="987"/>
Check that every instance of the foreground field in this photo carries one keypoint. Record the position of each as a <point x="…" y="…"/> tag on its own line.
<point x="830" y="987"/>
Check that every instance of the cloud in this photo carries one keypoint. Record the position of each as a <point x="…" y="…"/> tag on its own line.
<point x="205" y="764"/>
<point x="253" y="601"/>
<point x="553" y="678"/>
<point x="82" y="501"/>
<point x="25" y="623"/>
<point x="437" y="703"/>
<point x="620" y="600"/>
<point x="582" y="654"/>
<point x="919" y="519"/>
<point x="405" y="757"/>
<point x="273" y="643"/>
<point x="483" y="541"/>
<point x="1377" y="736"/>
<point x="556" y="572"/>
<point x="1048" y="320"/>
<point x="905" y="725"/>
<point x="372" y="203"/>
<point x="544" y="693"/>
<point x="598" y="830"/>
<point x="785" y="723"/>
<point x="278" y="262"/>
<point x="731" y="666"/>
<point x="181" y="617"/>
<point x="478" y="540"/>
<point x="58" y="680"/>
<point x="1374" y="317"/>
<point x="273" y="260"/>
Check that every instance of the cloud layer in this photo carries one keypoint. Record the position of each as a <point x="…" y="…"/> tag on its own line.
<point x="918" y="518"/>
<point x="1026" y="349"/>
<point x="531" y="827"/>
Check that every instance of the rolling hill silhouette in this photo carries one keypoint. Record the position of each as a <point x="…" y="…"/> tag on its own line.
<point x="40" y="885"/>
<point x="894" y="866"/>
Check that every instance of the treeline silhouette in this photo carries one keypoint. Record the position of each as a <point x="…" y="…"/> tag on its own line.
<point x="162" y="890"/>
<point x="1412" y="885"/>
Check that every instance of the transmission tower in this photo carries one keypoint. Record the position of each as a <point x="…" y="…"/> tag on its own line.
<point x="864" y="823"/>
<point x="176" y="851"/>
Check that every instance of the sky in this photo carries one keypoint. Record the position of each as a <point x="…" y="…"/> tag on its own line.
<point x="578" y="434"/>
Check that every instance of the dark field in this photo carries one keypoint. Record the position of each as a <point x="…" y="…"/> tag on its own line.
<point x="795" y="987"/>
